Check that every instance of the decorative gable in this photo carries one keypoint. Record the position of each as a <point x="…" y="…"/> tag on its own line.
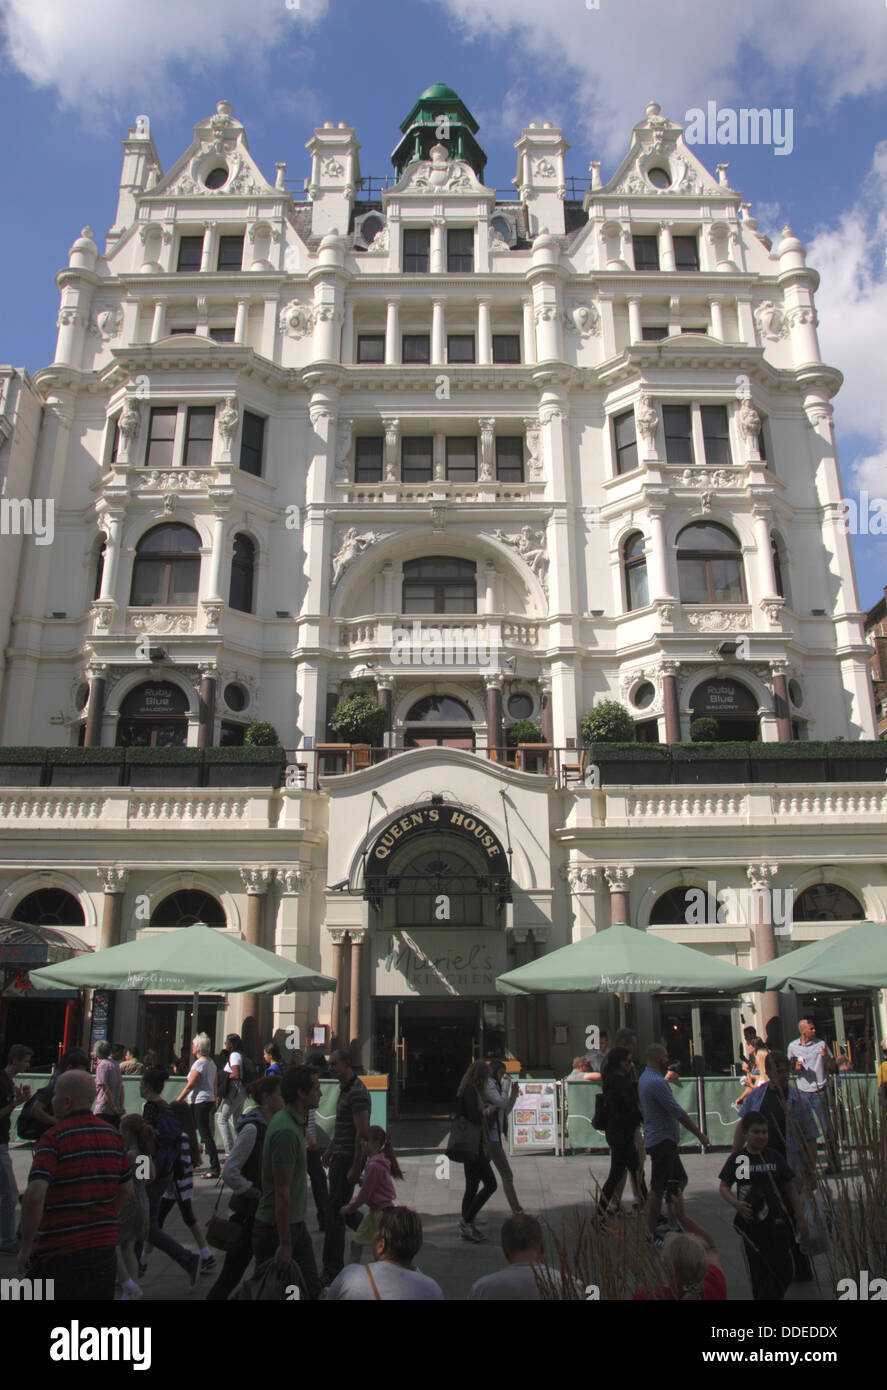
<point x="657" y="144"/>
<point x="219" y="147"/>
<point x="439" y="174"/>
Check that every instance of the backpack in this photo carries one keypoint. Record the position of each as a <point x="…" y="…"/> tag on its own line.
<point x="28" y="1126"/>
<point x="168" y="1133"/>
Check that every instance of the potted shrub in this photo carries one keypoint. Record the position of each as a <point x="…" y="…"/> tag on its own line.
<point x="863" y="761"/>
<point x="164" y="767"/>
<point x="630" y="764"/>
<point x="699" y="764"/>
<point x="261" y="734"/>
<point x="360" y="722"/>
<point x="85" y="767"/>
<point x="245" y="766"/>
<point x="797" y="761"/>
<point x="704" y="729"/>
<point x="608" y="722"/>
<point x="22" y="767"/>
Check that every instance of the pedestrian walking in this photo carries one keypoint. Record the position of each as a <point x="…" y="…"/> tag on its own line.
<point x="79" y="1180"/>
<point x="18" y="1060"/>
<point x="392" y="1275"/>
<point x="622" y="1115"/>
<point x="279" y="1229"/>
<point x="200" y="1094"/>
<point x="480" y="1180"/>
<point x="663" y="1117"/>
<point x="344" y="1158"/>
<point x="377" y="1190"/>
<point x="271" y="1054"/>
<point x="180" y="1188"/>
<point x="172" y="1153"/>
<point x="765" y="1197"/>
<point x="501" y="1094"/>
<point x="108" y="1103"/>
<point x="242" y="1172"/>
<point x="231" y="1093"/>
<point x="813" y="1065"/>
<point x="132" y="1219"/>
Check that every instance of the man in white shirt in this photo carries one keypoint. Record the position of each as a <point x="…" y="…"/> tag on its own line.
<point x="813" y="1065"/>
<point x="523" y="1246"/>
<point x="392" y="1276"/>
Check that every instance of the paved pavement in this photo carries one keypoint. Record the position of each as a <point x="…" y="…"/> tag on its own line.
<point x="549" y="1187"/>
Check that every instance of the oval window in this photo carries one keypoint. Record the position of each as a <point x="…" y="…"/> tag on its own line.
<point x="660" y="178"/>
<point x="216" y="178"/>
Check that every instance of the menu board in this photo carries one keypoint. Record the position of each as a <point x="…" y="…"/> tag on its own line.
<point x="534" y="1119"/>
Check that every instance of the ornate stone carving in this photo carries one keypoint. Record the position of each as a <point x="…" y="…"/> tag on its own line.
<point x="535" y="469"/>
<point x="332" y="168"/>
<point x="801" y="315"/>
<point x="707" y="478"/>
<point x="770" y="320"/>
<point x="102" y="614"/>
<point x="647" y="420"/>
<point x="485" y="469"/>
<point x="580" y="878"/>
<point x="256" y="880"/>
<point x="351" y="544"/>
<point x="391" y="425"/>
<point x="584" y="320"/>
<point x="720" y="620"/>
<point x="130" y="420"/>
<point x="163" y="624"/>
<point x="544" y="169"/>
<point x="295" y="880"/>
<point x="379" y="242"/>
<point x="618" y="877"/>
<point x="296" y="320"/>
<point x="530" y="546"/>
<point x="107" y="324"/>
<point x="439" y="173"/>
<point x="665" y="612"/>
<point x="760" y="875"/>
<point x="749" y="421"/>
<point x="772" y="610"/>
<point x="172" y="480"/>
<point x="344" y="433"/>
<point x="550" y="413"/>
<point x="114" y="879"/>
<point x="212" y="612"/>
<point x="438" y="518"/>
<point x="227" y="420"/>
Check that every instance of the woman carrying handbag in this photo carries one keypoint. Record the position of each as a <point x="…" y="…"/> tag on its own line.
<point x="467" y="1145"/>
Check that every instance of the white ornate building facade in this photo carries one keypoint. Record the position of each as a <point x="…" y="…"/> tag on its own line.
<point x="590" y="439"/>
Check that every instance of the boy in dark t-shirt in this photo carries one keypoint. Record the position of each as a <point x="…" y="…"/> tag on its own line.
<point x="765" y="1193"/>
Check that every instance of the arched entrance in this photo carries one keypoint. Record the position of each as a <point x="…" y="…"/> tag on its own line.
<point x="437" y="879"/>
<point x="153" y="715"/>
<point x="439" y="721"/>
<point x="732" y="705"/>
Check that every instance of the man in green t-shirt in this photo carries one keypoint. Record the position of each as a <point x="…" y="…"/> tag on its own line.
<point x="279" y="1228"/>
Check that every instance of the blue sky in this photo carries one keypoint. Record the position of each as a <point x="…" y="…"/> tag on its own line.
<point x="73" y="78"/>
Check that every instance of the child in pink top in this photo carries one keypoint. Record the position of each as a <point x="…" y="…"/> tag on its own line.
<point x="376" y="1190"/>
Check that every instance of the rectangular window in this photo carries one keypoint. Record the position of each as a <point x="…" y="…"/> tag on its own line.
<point x="678" y="433"/>
<point x="178" y="332"/>
<point x="696" y="328"/>
<point x="199" y="437"/>
<point x="161" y="437"/>
<point x="460" y="347"/>
<point x="190" y="253"/>
<point x="416" y="459"/>
<point x="368" y="459"/>
<point x="626" y="442"/>
<point x="716" y="434"/>
<point x="222" y="335"/>
<point x="416" y="250"/>
<point x="252" y="443"/>
<point x="462" y="459"/>
<point x="115" y="441"/>
<point x="231" y="735"/>
<point x="371" y="347"/>
<point x="416" y="347"/>
<point x="230" y="253"/>
<point x="510" y="460"/>
<point x="460" y="250"/>
<point x="646" y="252"/>
<point x="654" y="335"/>
<point x="506" y="347"/>
<point x="686" y="253"/>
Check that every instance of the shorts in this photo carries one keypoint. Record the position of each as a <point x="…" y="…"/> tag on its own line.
<point x="667" y="1166"/>
<point x="366" y="1231"/>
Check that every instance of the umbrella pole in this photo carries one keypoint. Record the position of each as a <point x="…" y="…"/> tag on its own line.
<point x="191" y="1030"/>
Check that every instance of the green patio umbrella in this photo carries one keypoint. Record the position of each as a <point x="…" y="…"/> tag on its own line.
<point x="855" y="958"/>
<point x="200" y="959"/>
<point x="624" y="960"/>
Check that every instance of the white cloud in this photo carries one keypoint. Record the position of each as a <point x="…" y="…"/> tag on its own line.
<point x="99" y="54"/>
<point x="627" y="52"/>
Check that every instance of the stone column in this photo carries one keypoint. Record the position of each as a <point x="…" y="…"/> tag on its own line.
<point x="205" y="729"/>
<point x="114" y="881"/>
<point x="763" y="949"/>
<point x="484" y="333"/>
<point x="337" y="1013"/>
<point x="240" y="321"/>
<point x="256" y="882"/>
<point x="543" y="1032"/>
<point x="158" y="326"/>
<point x="781" y="708"/>
<point x="353" y="1043"/>
<point x="214" y="575"/>
<point x="494" y="715"/>
<point x="666" y="247"/>
<point x="546" y="719"/>
<point x="392" y="334"/>
<point x="635" y="332"/>
<point x="581" y="881"/>
<point x="716" y="323"/>
<point x="618" y="878"/>
<point x="95" y="712"/>
<point x="437" y="258"/>
<point x="521" y="1002"/>
<point x="348" y="333"/>
<point x="529" y="355"/>
<point x="385" y="696"/>
<point x="764" y="547"/>
<point x="111" y="523"/>
<point x="438" y="334"/>
<point x="671" y="710"/>
<point x="208" y="253"/>
<point x="657" y="568"/>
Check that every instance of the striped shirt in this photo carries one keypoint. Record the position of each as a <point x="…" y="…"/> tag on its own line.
<point x="84" y="1162"/>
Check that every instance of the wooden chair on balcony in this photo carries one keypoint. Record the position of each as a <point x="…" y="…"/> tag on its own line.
<point x="535" y="753"/>
<point x="574" y="773"/>
<point x="334" y="753"/>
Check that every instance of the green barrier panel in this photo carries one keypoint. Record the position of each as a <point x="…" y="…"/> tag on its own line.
<point x="580" y="1132"/>
<point x="721" y="1114"/>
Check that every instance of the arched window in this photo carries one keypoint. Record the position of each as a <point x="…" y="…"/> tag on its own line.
<point x="710" y="565"/>
<point x="780" y="567"/>
<point x="732" y="704"/>
<point x="242" y="570"/>
<point x="422" y="883"/>
<point x="439" y="584"/>
<point x="49" y="907"/>
<point x="154" y="715"/>
<point x="637" y="590"/>
<point x="681" y="905"/>
<point x="439" y="721"/>
<point x="827" y="902"/>
<point x="187" y="906"/>
<point x="167" y="567"/>
<point x="100" y="566"/>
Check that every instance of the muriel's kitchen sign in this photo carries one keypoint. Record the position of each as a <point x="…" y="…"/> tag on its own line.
<point x="433" y="963"/>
